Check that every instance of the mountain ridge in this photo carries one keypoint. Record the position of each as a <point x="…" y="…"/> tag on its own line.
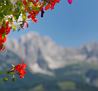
<point x="46" y="55"/>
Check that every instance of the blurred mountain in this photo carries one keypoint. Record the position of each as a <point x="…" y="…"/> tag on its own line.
<point x="42" y="54"/>
<point x="50" y="66"/>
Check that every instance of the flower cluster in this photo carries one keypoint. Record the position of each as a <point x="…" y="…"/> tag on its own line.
<point x="20" y="69"/>
<point x="4" y="31"/>
<point x="11" y="74"/>
<point x="14" y="14"/>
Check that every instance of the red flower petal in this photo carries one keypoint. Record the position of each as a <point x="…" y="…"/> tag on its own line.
<point x="22" y="72"/>
<point x="20" y="69"/>
<point x="7" y="31"/>
<point x="24" y="66"/>
<point x="21" y="76"/>
<point x="47" y="6"/>
<point x="24" y="2"/>
<point x="2" y="40"/>
<point x="52" y="5"/>
<point x="2" y="30"/>
<point x="34" y="19"/>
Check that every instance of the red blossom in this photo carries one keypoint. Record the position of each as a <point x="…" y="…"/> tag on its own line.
<point x="22" y="73"/>
<point x="5" y="29"/>
<point x="20" y="68"/>
<point x="8" y="30"/>
<point x="2" y="30"/>
<point x="51" y="4"/>
<point x="32" y="15"/>
<point x="47" y="6"/>
<point x="2" y="39"/>
<point x="24" y="2"/>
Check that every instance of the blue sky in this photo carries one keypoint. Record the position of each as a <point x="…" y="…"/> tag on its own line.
<point x="68" y="25"/>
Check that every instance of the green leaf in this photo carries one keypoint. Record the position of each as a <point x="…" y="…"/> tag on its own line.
<point x="36" y="8"/>
<point x="5" y="79"/>
<point x="10" y="73"/>
<point x="14" y="27"/>
<point x="1" y="72"/>
<point x="3" y="35"/>
<point x="24" y="17"/>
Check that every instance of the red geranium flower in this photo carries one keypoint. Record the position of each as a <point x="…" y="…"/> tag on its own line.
<point x="2" y="30"/>
<point x="32" y="15"/>
<point x="22" y="73"/>
<point x="20" y="68"/>
<point x="47" y="6"/>
<point x="2" y="39"/>
<point x="24" y="2"/>
<point x="5" y="29"/>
